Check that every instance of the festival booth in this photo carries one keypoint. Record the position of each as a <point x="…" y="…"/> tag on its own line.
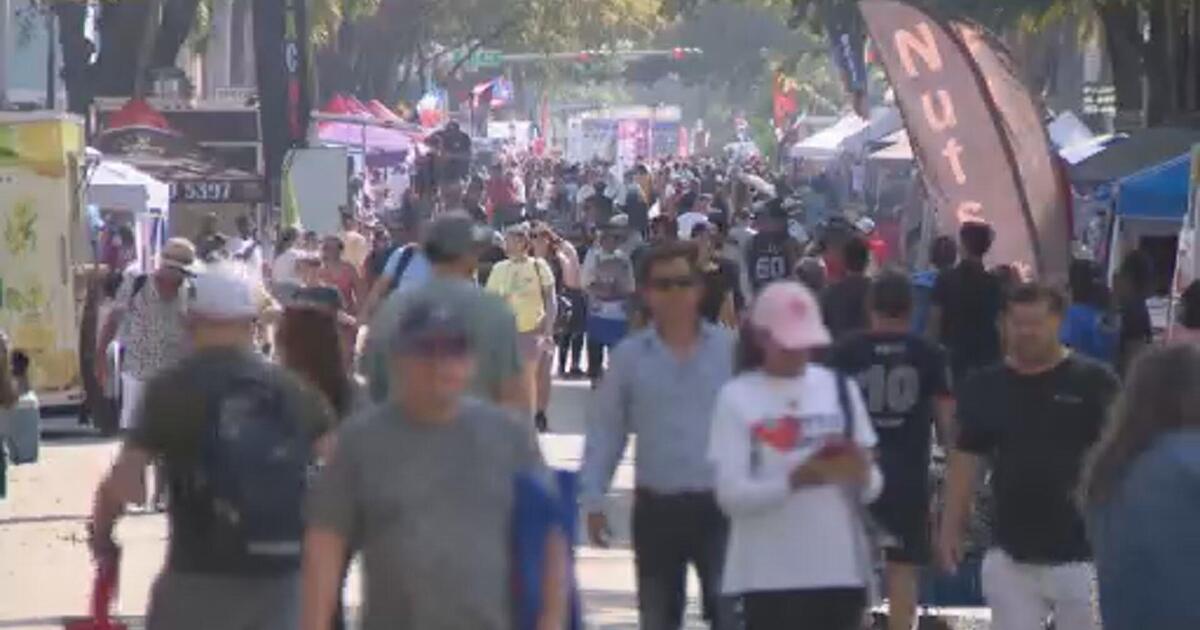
<point x="1150" y="206"/>
<point x="1098" y="183"/>
<point x="371" y="130"/>
<point x="119" y="194"/>
<point x="851" y="134"/>
<point x="198" y="182"/>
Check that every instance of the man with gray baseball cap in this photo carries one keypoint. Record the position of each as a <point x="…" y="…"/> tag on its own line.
<point x="453" y="242"/>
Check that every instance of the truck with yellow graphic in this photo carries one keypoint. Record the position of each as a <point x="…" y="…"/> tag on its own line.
<point x="41" y="238"/>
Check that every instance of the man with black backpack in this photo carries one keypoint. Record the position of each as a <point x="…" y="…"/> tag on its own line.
<point x="237" y="436"/>
<point x="405" y="267"/>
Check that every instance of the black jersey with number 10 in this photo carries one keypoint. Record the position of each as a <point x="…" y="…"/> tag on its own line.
<point x="900" y="375"/>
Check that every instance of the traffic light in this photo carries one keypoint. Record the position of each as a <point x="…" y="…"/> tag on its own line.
<point x="680" y="53"/>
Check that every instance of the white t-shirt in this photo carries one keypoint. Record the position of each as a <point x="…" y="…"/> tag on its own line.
<point x="687" y="222"/>
<point x="780" y="539"/>
<point x="283" y="269"/>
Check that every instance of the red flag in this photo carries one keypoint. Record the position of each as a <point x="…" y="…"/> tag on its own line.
<point x="785" y="104"/>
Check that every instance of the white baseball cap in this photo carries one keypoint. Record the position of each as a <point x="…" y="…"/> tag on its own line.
<point x="224" y="291"/>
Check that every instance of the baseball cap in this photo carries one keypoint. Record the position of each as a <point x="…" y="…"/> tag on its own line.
<point x="431" y="327"/>
<point x="790" y="314"/>
<point x="454" y="234"/>
<point x="178" y="254"/>
<point x="226" y="292"/>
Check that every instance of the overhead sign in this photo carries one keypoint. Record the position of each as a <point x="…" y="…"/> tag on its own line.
<point x="482" y="58"/>
<point x="1099" y="99"/>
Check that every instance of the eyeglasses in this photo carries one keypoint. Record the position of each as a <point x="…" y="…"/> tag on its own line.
<point x="678" y="282"/>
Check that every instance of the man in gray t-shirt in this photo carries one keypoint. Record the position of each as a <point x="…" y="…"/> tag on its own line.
<point x="423" y="486"/>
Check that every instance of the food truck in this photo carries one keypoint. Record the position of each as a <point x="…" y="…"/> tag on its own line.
<point x="40" y="218"/>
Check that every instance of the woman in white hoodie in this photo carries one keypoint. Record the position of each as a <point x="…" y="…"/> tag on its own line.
<point x="791" y="444"/>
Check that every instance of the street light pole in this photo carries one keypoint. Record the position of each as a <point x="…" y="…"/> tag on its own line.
<point x="4" y="52"/>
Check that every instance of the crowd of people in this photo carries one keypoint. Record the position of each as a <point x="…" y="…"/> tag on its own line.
<point x="373" y="393"/>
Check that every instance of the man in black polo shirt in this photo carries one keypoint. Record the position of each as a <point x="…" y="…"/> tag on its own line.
<point x="905" y="380"/>
<point x="966" y="303"/>
<point x="1035" y="417"/>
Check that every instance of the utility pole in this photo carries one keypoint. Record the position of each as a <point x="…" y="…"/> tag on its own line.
<point x="4" y="52"/>
<point x="51" y="61"/>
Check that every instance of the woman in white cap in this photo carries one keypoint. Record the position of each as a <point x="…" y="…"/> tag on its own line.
<point x="791" y="446"/>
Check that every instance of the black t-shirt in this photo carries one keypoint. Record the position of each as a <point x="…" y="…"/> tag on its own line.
<point x="456" y="142"/>
<point x="1036" y="431"/>
<point x="770" y="257"/>
<point x="844" y="305"/>
<point x="1136" y="330"/>
<point x="901" y="374"/>
<point x="637" y="210"/>
<point x="970" y="300"/>
<point x="720" y="280"/>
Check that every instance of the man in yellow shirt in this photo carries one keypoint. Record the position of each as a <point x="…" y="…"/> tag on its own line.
<point x="527" y="284"/>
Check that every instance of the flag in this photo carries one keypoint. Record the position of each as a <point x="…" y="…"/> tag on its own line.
<point x="1021" y="118"/>
<point x="784" y="99"/>
<point x="281" y="50"/>
<point x="962" y="139"/>
<point x="846" y="43"/>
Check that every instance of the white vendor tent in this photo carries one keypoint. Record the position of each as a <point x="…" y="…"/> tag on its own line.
<point x="896" y="148"/>
<point x="115" y="185"/>
<point x="850" y="134"/>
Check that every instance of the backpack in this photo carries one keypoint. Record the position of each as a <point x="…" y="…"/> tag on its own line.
<point x="406" y="255"/>
<point x="251" y="476"/>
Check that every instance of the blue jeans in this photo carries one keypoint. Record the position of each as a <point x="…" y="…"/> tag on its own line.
<point x="670" y="532"/>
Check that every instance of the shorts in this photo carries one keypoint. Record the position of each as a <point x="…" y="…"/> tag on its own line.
<point x="906" y="530"/>
<point x="132" y="390"/>
<point x="530" y="346"/>
<point x="183" y="601"/>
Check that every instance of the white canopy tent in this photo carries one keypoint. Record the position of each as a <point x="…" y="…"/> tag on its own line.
<point x="896" y="148"/>
<point x="115" y="185"/>
<point x="850" y="134"/>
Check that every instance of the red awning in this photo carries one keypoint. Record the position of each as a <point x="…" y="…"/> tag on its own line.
<point x="136" y="113"/>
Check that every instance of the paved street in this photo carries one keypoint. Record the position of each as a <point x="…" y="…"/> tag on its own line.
<point x="45" y="572"/>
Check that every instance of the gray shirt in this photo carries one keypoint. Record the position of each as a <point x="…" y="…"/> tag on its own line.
<point x="430" y="507"/>
<point x="667" y="402"/>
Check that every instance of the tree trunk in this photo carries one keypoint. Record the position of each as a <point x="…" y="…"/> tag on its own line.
<point x="1126" y="53"/>
<point x="76" y="55"/>
<point x="121" y="25"/>
<point x="145" y="53"/>
<point x="1192" y="70"/>
<point x="1159" y="67"/>
<point x="178" y="16"/>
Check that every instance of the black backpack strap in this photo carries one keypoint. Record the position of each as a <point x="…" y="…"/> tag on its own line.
<point x="843" y="391"/>
<point x="139" y="283"/>
<point x="406" y="256"/>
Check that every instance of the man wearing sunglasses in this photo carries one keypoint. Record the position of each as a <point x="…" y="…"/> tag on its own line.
<point x="662" y="385"/>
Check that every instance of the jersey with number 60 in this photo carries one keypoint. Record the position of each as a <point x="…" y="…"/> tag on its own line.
<point x="770" y="257"/>
<point x="900" y="375"/>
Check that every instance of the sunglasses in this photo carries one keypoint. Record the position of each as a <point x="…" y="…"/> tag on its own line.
<point x="666" y="284"/>
<point x="440" y="347"/>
